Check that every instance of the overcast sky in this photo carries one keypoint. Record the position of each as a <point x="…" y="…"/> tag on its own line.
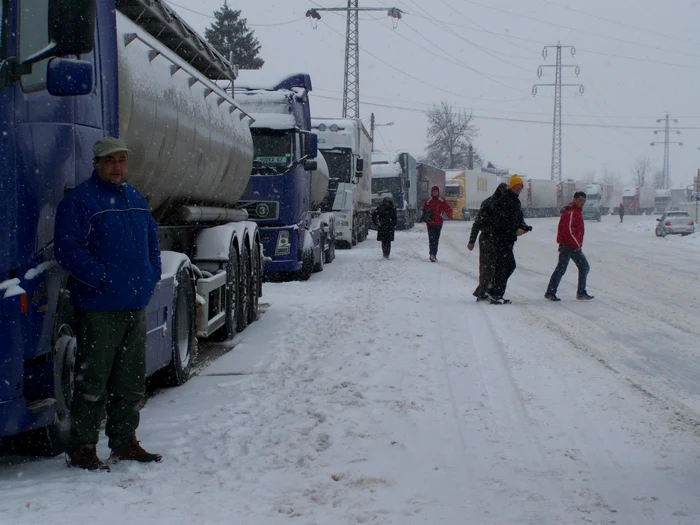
<point x="636" y="63"/>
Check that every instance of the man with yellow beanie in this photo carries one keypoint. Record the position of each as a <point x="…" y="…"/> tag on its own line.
<point x="508" y="225"/>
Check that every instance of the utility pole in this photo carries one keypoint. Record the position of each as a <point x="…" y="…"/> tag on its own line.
<point x="351" y="90"/>
<point x="372" y="125"/>
<point x="666" y="177"/>
<point x="556" y="134"/>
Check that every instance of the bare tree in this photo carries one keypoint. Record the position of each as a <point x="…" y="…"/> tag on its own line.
<point x="641" y="171"/>
<point x="610" y="177"/>
<point x="450" y="135"/>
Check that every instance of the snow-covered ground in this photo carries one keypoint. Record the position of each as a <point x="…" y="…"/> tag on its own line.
<point x="380" y="392"/>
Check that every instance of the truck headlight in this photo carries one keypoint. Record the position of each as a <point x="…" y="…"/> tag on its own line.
<point x="283" y="245"/>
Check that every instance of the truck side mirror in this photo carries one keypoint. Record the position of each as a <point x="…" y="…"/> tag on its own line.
<point x="310" y="165"/>
<point x="312" y="145"/>
<point x="359" y="167"/>
<point x="72" y="26"/>
<point x="71" y="30"/>
<point x="67" y="76"/>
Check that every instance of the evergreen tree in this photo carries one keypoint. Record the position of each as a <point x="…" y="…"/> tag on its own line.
<point x="230" y="36"/>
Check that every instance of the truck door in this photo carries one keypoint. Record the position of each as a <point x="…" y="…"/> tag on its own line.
<point x="53" y="148"/>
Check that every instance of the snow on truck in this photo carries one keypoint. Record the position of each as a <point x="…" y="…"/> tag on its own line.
<point x="147" y="77"/>
<point x="280" y="193"/>
<point x="347" y="148"/>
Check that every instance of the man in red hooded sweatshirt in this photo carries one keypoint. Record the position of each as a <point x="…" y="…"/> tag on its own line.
<point x="570" y="240"/>
<point x="433" y="210"/>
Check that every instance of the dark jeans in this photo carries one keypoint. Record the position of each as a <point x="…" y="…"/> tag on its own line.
<point x="487" y="264"/>
<point x="386" y="248"/>
<point x="504" y="262"/>
<point x="110" y="374"/>
<point x="434" y="238"/>
<point x="566" y="253"/>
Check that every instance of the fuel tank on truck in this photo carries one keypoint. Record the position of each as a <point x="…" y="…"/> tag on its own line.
<point x="319" y="181"/>
<point x="189" y="142"/>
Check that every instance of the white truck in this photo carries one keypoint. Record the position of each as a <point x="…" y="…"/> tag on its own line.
<point x="347" y="149"/>
<point x="396" y="175"/>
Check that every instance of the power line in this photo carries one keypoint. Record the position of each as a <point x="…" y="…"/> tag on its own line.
<point x="421" y="81"/>
<point x="520" y="15"/>
<point x="250" y="25"/>
<point x="645" y="30"/>
<point x="523" y="121"/>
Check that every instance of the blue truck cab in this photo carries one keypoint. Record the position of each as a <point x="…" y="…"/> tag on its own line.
<point x="71" y="72"/>
<point x="279" y="193"/>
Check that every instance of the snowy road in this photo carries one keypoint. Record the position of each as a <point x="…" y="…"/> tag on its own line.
<point x="379" y="392"/>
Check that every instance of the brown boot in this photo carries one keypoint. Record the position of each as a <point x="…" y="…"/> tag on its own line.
<point x="131" y="450"/>
<point x="85" y="456"/>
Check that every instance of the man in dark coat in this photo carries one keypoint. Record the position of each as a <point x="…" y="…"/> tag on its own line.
<point x="621" y="211"/>
<point x="433" y="210"/>
<point x="107" y="240"/>
<point x="508" y="224"/>
<point x="483" y="224"/>
<point x="384" y="218"/>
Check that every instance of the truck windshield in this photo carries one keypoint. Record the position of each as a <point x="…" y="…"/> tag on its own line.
<point x="452" y="191"/>
<point x="339" y="164"/>
<point x="389" y="185"/>
<point x="273" y="151"/>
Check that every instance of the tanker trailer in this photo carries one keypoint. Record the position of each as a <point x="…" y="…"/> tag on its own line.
<point x="320" y="179"/>
<point x="148" y="77"/>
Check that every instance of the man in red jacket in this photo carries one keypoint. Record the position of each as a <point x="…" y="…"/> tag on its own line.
<point x="433" y="210"/>
<point x="570" y="240"/>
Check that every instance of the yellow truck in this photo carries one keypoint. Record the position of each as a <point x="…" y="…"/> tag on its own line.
<point x="456" y="195"/>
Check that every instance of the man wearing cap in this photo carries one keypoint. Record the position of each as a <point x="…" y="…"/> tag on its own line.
<point x="107" y="240"/>
<point x="433" y="211"/>
<point x="508" y="224"/>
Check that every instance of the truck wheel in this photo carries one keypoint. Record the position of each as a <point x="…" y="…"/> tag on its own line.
<point x="255" y="282"/>
<point x="307" y="265"/>
<point x="233" y="297"/>
<point x="183" y="342"/>
<point x="318" y="267"/>
<point x="329" y="254"/>
<point x="245" y="290"/>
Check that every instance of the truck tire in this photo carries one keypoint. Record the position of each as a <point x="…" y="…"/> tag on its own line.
<point x="255" y="282"/>
<point x="307" y="265"/>
<point x="318" y="266"/>
<point x="233" y="298"/>
<point x="183" y="342"/>
<point x="244" y="289"/>
<point x="329" y="254"/>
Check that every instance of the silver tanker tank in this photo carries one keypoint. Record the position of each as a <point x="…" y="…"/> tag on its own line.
<point x="189" y="142"/>
<point x="319" y="181"/>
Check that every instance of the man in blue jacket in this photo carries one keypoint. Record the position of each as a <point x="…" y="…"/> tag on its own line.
<point x="107" y="240"/>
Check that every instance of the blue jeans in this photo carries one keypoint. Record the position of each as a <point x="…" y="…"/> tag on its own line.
<point x="566" y="253"/>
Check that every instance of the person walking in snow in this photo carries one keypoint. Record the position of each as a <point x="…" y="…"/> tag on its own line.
<point x="481" y="228"/>
<point x="621" y="211"/>
<point x="507" y="225"/>
<point x="570" y="240"/>
<point x="433" y="211"/>
<point x="384" y="218"/>
<point x="106" y="239"/>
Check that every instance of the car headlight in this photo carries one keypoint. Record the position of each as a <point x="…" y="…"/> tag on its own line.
<point x="283" y="244"/>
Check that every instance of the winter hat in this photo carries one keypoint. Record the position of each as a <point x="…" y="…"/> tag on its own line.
<point x="515" y="179"/>
<point x="108" y="145"/>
